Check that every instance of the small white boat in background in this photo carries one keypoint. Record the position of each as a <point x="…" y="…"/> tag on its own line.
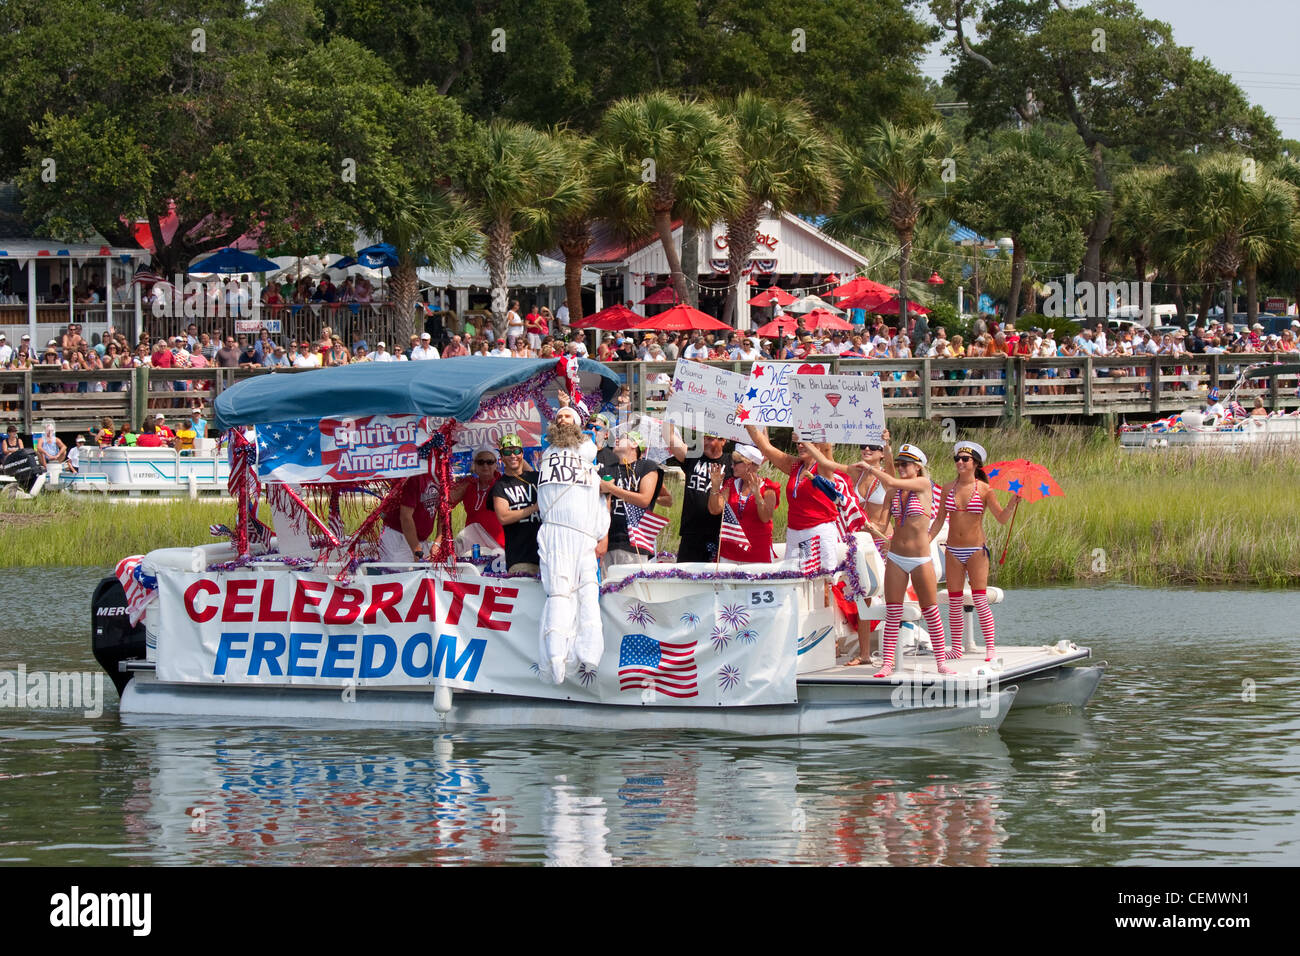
<point x="156" y="472"/>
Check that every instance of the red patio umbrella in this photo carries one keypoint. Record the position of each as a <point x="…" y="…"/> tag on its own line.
<point x="880" y="305"/>
<point x="782" y="325"/>
<point x="783" y="298"/>
<point x="682" y="318"/>
<point x="613" y="318"/>
<point x="860" y="285"/>
<point x="821" y="319"/>
<point x="665" y="296"/>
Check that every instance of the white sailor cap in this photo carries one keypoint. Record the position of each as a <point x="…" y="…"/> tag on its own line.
<point x="749" y="453"/>
<point x="972" y="446"/>
<point x="912" y="452"/>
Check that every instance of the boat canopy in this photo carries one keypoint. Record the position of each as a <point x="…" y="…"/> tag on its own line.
<point x="443" y="388"/>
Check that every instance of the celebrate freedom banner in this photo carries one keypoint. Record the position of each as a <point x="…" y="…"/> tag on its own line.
<point x="732" y="647"/>
<point x="705" y="398"/>
<point x="341" y="449"/>
<point x="843" y="408"/>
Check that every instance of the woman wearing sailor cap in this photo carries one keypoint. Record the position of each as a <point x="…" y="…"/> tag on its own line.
<point x="909" y="553"/>
<point x="967" y="551"/>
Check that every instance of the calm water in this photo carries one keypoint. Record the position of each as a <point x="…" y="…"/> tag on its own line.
<point x="1183" y="768"/>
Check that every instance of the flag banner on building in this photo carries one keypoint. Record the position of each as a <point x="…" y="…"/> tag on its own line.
<point x="341" y="449"/>
<point x="703" y="648"/>
<point x="847" y="409"/>
<point x="767" y="395"/>
<point x="705" y="398"/>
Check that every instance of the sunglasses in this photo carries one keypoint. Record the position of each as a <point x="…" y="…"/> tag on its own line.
<point x="962" y="458"/>
<point x="507" y="453"/>
<point x="903" y="462"/>
<point x="485" y="461"/>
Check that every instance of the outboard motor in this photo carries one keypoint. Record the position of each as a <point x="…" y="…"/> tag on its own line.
<point x="113" y="637"/>
<point x="23" y="466"/>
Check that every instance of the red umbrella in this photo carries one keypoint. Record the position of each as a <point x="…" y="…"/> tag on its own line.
<point x="821" y="319"/>
<point x="783" y="298"/>
<point x="1024" y="479"/>
<point x="665" y="296"/>
<point x="682" y="318"/>
<point x="610" y="319"/>
<point x="880" y="305"/>
<point x="860" y="285"/>
<point x="783" y="325"/>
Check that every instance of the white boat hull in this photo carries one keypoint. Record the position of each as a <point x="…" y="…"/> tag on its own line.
<point x="1251" y="433"/>
<point x="155" y="471"/>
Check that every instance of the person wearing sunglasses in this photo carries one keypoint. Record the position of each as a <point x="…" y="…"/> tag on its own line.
<point x="967" y="549"/>
<point x="482" y="527"/>
<point x="514" y="498"/>
<point x="909" y="553"/>
<point x="752" y="499"/>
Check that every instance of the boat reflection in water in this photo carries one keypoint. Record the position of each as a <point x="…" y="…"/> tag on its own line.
<point x="276" y="797"/>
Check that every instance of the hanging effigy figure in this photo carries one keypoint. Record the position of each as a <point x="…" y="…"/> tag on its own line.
<point x="575" y="520"/>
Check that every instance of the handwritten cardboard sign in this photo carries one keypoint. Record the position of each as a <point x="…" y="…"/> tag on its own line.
<point x="704" y="398"/>
<point x="848" y="409"/>
<point x="767" y="395"/>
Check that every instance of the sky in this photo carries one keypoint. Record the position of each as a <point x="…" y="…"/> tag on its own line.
<point x="1254" y="41"/>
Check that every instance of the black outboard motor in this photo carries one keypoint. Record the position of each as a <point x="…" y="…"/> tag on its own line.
<point x="23" y="466"/>
<point x="113" y="637"/>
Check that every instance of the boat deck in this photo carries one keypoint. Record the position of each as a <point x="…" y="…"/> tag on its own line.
<point x="1015" y="663"/>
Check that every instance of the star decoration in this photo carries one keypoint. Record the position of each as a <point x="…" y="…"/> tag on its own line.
<point x="677" y="385"/>
<point x="853" y="400"/>
<point x="867" y="414"/>
<point x="752" y="393"/>
<point x="742" y="414"/>
<point x="758" y="371"/>
<point x="875" y="383"/>
<point x="1015" y="486"/>
<point x="796" y="397"/>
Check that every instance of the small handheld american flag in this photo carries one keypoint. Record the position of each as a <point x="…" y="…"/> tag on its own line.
<point x="731" y="529"/>
<point x="643" y="526"/>
<point x="812" y="556"/>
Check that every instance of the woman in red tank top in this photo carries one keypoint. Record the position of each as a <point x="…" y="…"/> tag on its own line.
<point x="752" y="499"/>
<point x="475" y="494"/>
<point x="811" y="513"/>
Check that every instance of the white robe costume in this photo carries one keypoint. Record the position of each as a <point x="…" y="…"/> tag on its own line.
<point x="574" y="519"/>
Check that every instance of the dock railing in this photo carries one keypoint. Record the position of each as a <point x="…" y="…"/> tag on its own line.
<point x="1008" y="388"/>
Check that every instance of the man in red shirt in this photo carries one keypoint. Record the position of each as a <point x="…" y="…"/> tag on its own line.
<point x="408" y="521"/>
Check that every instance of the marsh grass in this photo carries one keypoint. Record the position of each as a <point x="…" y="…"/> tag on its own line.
<point x="1173" y="517"/>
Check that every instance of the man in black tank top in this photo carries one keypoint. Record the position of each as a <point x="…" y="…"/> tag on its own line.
<point x="699" y="528"/>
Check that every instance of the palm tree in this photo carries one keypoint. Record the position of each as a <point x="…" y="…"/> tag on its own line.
<point x="517" y="173"/>
<point x="659" y="158"/>
<point x="432" y="231"/>
<point x="785" y="163"/>
<point x="896" y="176"/>
<point x="1221" y="215"/>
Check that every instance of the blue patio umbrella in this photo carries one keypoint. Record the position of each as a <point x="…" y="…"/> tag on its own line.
<point x="378" y="256"/>
<point x="232" y="260"/>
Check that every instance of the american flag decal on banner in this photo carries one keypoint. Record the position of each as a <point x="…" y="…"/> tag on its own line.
<point x="137" y="595"/>
<point x="643" y="527"/>
<point x="668" y="668"/>
<point x="731" y="529"/>
<point x="811" y="550"/>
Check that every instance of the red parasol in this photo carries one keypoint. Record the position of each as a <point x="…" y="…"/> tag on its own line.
<point x="665" y="296"/>
<point x="821" y="319"/>
<point x="782" y="325"/>
<point x="764" y="298"/>
<point x="879" y="305"/>
<point x="1024" y="479"/>
<point x="682" y="318"/>
<point x="613" y="318"/>
<point x="860" y="285"/>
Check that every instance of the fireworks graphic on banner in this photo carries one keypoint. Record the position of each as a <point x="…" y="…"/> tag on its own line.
<point x="734" y="616"/>
<point x="535" y="667"/>
<point x="690" y="619"/>
<point x="747" y="636"/>
<point x="719" y="637"/>
<point x="639" y="614"/>
<point x="728" y="677"/>
<point x="586" y="674"/>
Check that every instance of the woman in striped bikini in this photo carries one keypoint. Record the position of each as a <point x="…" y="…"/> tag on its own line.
<point x="967" y="552"/>
<point x="909" y="553"/>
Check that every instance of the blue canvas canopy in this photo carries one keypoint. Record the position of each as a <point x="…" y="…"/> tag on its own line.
<point x="446" y="388"/>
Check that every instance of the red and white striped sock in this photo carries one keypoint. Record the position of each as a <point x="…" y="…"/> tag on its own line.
<point x="938" y="641"/>
<point x="956" y="625"/>
<point x="893" y="618"/>
<point x="980" y="600"/>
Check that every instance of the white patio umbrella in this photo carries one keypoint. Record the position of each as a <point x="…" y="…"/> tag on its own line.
<point x="810" y="302"/>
